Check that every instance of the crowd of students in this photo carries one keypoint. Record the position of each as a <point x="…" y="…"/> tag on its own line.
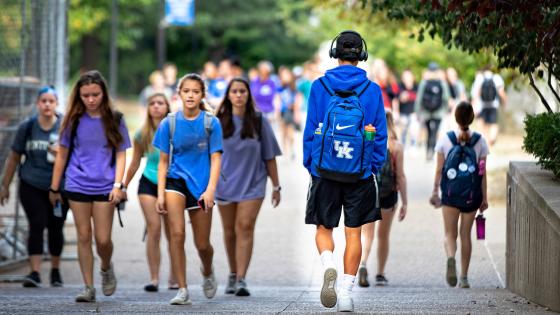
<point x="208" y="139"/>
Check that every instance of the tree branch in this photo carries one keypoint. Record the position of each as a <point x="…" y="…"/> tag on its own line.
<point x="550" y="85"/>
<point x="543" y="100"/>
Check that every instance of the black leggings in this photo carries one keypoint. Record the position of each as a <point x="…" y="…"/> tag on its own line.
<point x="432" y="125"/>
<point x="39" y="212"/>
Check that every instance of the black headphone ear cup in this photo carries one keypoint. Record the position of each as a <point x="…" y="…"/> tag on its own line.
<point x="363" y="55"/>
<point x="332" y="53"/>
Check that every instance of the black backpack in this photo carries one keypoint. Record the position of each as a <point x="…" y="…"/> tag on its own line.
<point x="488" y="91"/>
<point x="432" y="99"/>
<point x="388" y="179"/>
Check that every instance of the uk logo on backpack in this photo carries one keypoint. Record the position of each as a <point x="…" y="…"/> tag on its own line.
<point x="461" y="184"/>
<point x="339" y="142"/>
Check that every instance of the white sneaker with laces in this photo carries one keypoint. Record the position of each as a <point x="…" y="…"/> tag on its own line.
<point x="230" y="288"/>
<point x="209" y="285"/>
<point x="345" y="303"/>
<point x="108" y="281"/>
<point x="182" y="298"/>
<point x="328" y="291"/>
<point x="88" y="295"/>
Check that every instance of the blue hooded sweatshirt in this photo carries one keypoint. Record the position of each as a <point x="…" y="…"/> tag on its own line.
<point x="347" y="77"/>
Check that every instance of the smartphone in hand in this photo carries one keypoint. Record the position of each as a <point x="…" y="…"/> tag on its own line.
<point x="202" y="204"/>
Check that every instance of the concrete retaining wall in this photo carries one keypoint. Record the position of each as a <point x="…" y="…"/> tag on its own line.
<point x="533" y="234"/>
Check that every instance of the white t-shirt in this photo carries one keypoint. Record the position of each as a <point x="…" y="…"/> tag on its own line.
<point x="444" y="145"/>
<point x="477" y="85"/>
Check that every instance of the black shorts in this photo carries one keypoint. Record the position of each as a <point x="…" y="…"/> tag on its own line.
<point x="390" y="201"/>
<point x="489" y="115"/>
<point x="146" y="187"/>
<point x="288" y="118"/>
<point x="80" y="197"/>
<point x="326" y="198"/>
<point x="179" y="186"/>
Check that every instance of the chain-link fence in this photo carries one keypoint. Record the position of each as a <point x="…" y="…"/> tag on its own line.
<point x="33" y="53"/>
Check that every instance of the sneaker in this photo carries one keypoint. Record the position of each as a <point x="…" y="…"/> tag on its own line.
<point x="464" y="283"/>
<point x="241" y="288"/>
<point x="56" y="278"/>
<point x="362" y="277"/>
<point x="151" y="288"/>
<point x="209" y="285"/>
<point x="108" y="281"/>
<point x="381" y="281"/>
<point x="328" y="291"/>
<point x="451" y="274"/>
<point x="88" y="295"/>
<point x="345" y="303"/>
<point x="230" y="288"/>
<point x="32" y="280"/>
<point x="182" y="298"/>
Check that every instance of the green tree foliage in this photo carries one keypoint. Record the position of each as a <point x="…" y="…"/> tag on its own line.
<point x="524" y="35"/>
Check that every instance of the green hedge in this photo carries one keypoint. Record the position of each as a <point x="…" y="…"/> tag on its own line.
<point x="543" y="140"/>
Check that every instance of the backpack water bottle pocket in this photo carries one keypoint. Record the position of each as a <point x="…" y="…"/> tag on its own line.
<point x="341" y="158"/>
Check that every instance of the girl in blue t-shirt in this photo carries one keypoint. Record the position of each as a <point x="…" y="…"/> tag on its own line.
<point x="188" y="174"/>
<point x="287" y="95"/>
<point x="36" y="140"/>
<point x="158" y="108"/>
<point x="92" y="158"/>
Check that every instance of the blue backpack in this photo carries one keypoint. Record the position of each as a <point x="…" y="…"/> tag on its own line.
<point x="461" y="184"/>
<point x="339" y="141"/>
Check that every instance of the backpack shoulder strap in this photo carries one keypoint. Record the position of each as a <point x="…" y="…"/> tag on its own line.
<point x="451" y="135"/>
<point x="117" y="116"/>
<point x="365" y="86"/>
<point x="73" y="132"/>
<point x="326" y="86"/>
<point x="259" y="125"/>
<point x="208" y="123"/>
<point x="474" y="139"/>
<point x="29" y="127"/>
<point x="171" y="119"/>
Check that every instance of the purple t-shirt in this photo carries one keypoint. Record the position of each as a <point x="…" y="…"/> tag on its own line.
<point x="243" y="164"/>
<point x="263" y="93"/>
<point x="89" y="169"/>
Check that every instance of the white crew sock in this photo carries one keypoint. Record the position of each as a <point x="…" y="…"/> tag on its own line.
<point x="327" y="259"/>
<point x="347" y="284"/>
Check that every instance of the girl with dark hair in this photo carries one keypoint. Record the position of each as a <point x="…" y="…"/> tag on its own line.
<point x="250" y="151"/>
<point x="459" y="220"/>
<point x="158" y="108"/>
<point x="190" y="144"/>
<point x="92" y="158"/>
<point x="36" y="140"/>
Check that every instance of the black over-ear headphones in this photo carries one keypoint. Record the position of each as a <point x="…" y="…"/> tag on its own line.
<point x="362" y="55"/>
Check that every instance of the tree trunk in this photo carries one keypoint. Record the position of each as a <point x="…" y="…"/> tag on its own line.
<point x="90" y="53"/>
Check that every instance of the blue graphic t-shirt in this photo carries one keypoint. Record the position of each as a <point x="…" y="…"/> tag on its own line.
<point x="191" y="149"/>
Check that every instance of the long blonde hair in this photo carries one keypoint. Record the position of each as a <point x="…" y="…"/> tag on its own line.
<point x="391" y="130"/>
<point x="149" y="127"/>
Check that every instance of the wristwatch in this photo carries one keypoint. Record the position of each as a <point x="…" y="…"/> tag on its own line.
<point x="277" y="188"/>
<point x="120" y="186"/>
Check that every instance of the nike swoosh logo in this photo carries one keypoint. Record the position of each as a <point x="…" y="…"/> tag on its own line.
<point x="339" y="127"/>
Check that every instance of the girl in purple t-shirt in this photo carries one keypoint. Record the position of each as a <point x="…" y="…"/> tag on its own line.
<point x="92" y="158"/>
<point x="250" y="151"/>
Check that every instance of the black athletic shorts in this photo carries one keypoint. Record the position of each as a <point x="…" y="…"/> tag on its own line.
<point x="390" y="201"/>
<point x="489" y="115"/>
<point x="80" y="197"/>
<point x="146" y="187"/>
<point x="179" y="186"/>
<point x="326" y="198"/>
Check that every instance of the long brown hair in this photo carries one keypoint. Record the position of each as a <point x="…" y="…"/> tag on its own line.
<point x="225" y="113"/>
<point x="391" y="130"/>
<point x="197" y="78"/>
<point x="77" y="108"/>
<point x="149" y="128"/>
<point x="464" y="116"/>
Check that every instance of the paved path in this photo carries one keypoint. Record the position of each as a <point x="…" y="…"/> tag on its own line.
<point x="285" y="273"/>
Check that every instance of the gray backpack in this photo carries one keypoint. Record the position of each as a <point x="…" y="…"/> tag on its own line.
<point x="172" y="118"/>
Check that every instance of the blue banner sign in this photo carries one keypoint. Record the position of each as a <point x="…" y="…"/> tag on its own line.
<point x="179" y="12"/>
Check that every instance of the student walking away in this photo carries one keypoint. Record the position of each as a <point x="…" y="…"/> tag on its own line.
<point x="92" y="158"/>
<point x="431" y="104"/>
<point x="383" y="76"/>
<point x="393" y="182"/>
<point x="264" y="89"/>
<point x="158" y="108"/>
<point x="488" y="93"/>
<point x="287" y="95"/>
<point x="407" y="117"/>
<point x="250" y="151"/>
<point x="37" y="140"/>
<point x="344" y="147"/>
<point x="461" y="176"/>
<point x="190" y="144"/>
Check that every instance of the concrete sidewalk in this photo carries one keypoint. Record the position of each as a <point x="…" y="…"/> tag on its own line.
<point x="285" y="273"/>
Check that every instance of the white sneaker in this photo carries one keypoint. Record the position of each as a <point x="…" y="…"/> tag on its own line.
<point x="345" y="303"/>
<point x="108" y="281"/>
<point x="88" y="295"/>
<point x="182" y="298"/>
<point x="209" y="285"/>
<point x="328" y="291"/>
